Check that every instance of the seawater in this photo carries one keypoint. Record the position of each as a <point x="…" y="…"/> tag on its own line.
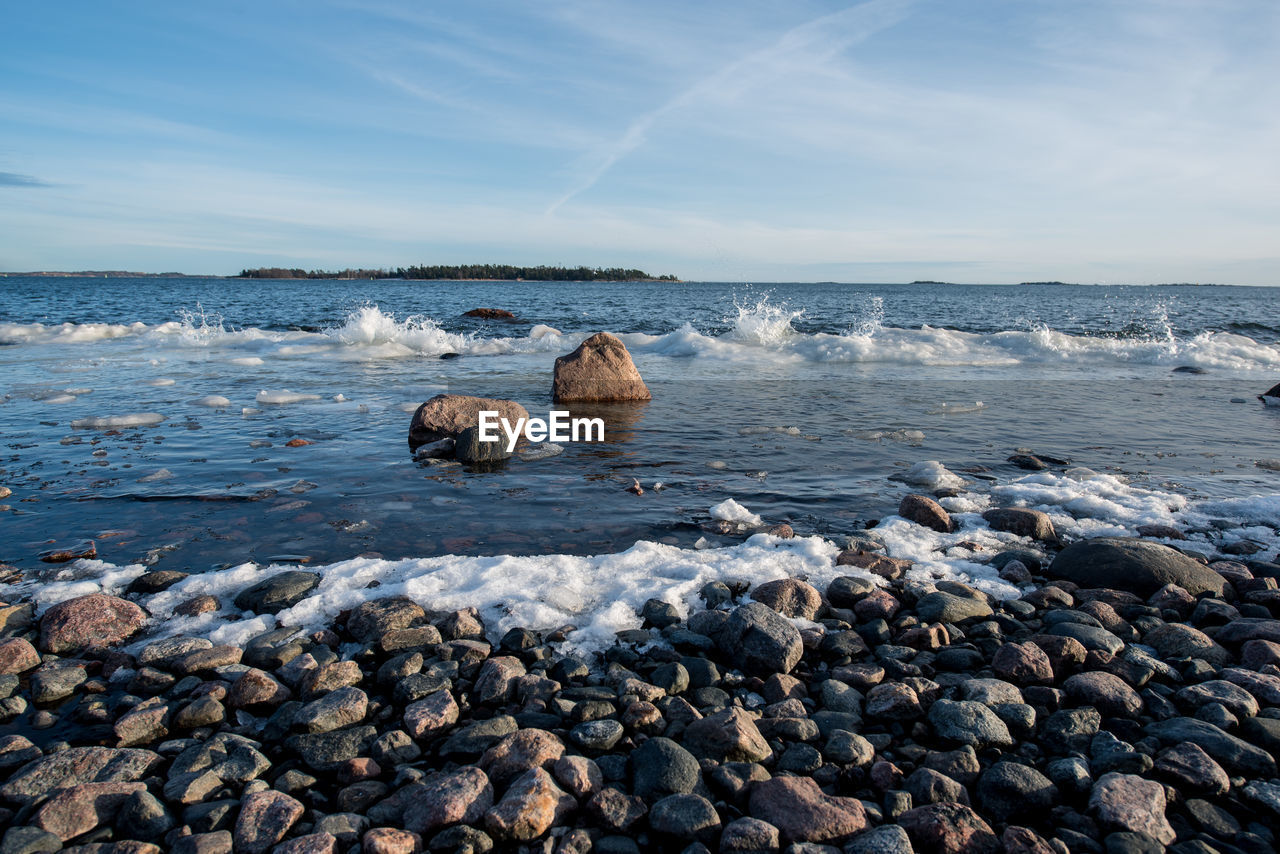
<point x="153" y="416"/>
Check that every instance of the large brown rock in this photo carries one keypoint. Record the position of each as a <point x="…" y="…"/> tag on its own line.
<point x="949" y="828"/>
<point x="86" y="621"/>
<point x="17" y="655"/>
<point x="447" y="415"/>
<point x="79" y="809"/>
<point x="804" y="813"/>
<point x="1126" y="802"/>
<point x="1138" y="566"/>
<point x="923" y="510"/>
<point x="1022" y="522"/>
<point x="599" y="370"/>
<point x="76" y="766"/>
<point x="265" y="818"/>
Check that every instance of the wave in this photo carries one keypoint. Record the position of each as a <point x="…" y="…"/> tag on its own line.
<point x="763" y="331"/>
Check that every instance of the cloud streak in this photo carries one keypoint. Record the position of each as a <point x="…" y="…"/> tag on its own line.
<point x="820" y="37"/>
<point x="13" y="179"/>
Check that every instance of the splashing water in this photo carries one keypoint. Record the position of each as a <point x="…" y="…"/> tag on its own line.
<point x="370" y="326"/>
<point x="871" y="321"/>
<point x="763" y="324"/>
<point x="198" y="326"/>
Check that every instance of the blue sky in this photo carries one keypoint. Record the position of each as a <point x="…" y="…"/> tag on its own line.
<point x="884" y="141"/>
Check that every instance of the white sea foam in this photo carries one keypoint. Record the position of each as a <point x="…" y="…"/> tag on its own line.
<point x="284" y="396"/>
<point x="761" y="331"/>
<point x="117" y="422"/>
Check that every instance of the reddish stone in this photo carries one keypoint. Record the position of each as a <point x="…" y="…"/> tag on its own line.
<point x="82" y="808"/>
<point x="790" y="597"/>
<point x="436" y="712"/>
<point x="256" y="688"/>
<point x="389" y="840"/>
<point x="926" y="512"/>
<point x="1128" y="802"/>
<point x="802" y="812"/>
<point x="1022" y="664"/>
<point x="529" y="808"/>
<point x="520" y="752"/>
<point x="17" y="655"/>
<point x="87" y="621"/>
<point x="949" y="828"/>
<point x="460" y="797"/>
<point x="881" y="565"/>
<point x="265" y="817"/>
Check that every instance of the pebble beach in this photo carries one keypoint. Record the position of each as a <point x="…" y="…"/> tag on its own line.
<point x="873" y="713"/>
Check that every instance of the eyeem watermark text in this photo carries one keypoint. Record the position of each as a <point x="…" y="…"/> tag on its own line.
<point x="559" y="426"/>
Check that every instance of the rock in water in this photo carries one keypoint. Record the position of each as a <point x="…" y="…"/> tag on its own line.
<point x="469" y="448"/>
<point x="923" y="510"/>
<point x="445" y="416"/>
<point x="490" y="314"/>
<point x="599" y="370"/>
<point x="1138" y="566"/>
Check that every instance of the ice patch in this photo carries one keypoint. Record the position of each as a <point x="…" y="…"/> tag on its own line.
<point x="600" y="594"/>
<point x="116" y="422"/>
<point x="215" y="401"/>
<point x="162" y="474"/>
<point x="160" y="382"/>
<point x="731" y="511"/>
<point x="541" y="451"/>
<point x="59" y="398"/>
<point x="930" y="474"/>
<point x="280" y="398"/>
<point x="246" y="361"/>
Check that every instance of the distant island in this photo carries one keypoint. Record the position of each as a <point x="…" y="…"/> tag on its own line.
<point x="1043" y="283"/>
<point x="467" y="272"/>
<point x="108" y="274"/>
<point x="930" y="282"/>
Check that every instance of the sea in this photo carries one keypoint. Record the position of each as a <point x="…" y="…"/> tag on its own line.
<point x="159" y="418"/>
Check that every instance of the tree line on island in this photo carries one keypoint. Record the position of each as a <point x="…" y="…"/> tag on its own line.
<point x="479" y="272"/>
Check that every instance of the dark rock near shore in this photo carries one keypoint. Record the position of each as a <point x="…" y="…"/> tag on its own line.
<point x="760" y="640"/>
<point x="1134" y="565"/>
<point x="490" y="314"/>
<point x="1034" y="524"/>
<point x="280" y="591"/>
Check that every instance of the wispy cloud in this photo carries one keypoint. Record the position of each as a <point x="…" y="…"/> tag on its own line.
<point x="818" y="38"/>
<point x="13" y="179"/>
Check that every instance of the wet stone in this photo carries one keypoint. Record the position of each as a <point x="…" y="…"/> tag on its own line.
<point x="280" y="591"/>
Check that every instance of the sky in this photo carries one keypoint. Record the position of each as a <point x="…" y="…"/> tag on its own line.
<point x="884" y="141"/>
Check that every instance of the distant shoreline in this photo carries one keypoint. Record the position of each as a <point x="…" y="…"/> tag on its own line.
<point x="602" y="278"/>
